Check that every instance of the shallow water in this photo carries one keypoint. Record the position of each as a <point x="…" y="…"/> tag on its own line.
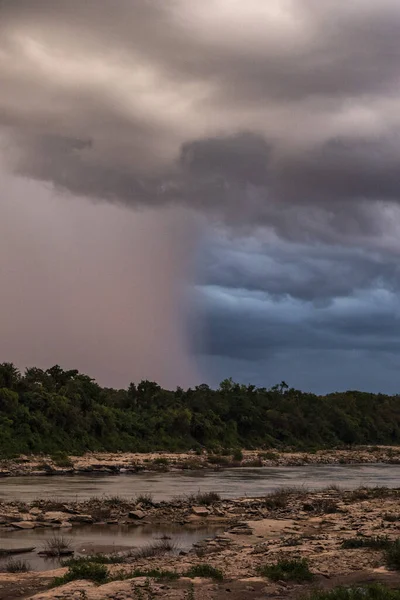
<point x="92" y="539"/>
<point x="229" y="483"/>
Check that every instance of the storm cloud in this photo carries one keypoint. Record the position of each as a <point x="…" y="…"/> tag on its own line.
<point x="276" y="123"/>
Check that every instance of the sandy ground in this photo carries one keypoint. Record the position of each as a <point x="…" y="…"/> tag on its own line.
<point x="258" y="532"/>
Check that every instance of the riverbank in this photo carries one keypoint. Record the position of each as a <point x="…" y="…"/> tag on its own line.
<point x="102" y="462"/>
<point x="344" y="537"/>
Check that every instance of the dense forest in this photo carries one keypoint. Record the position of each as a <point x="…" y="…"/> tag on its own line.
<point x="65" y="411"/>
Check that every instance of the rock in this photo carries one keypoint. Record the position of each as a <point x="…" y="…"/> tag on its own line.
<point x="35" y="511"/>
<point x="55" y="516"/>
<point x="200" y="511"/>
<point x="80" y="518"/>
<point x="137" y="515"/>
<point x="23" y="525"/>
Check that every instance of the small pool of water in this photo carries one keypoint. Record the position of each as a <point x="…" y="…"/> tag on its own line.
<point x="92" y="539"/>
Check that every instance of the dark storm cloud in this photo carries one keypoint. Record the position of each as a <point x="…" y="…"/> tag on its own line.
<point x="310" y="273"/>
<point x="261" y="329"/>
<point x="276" y="119"/>
<point x="91" y="95"/>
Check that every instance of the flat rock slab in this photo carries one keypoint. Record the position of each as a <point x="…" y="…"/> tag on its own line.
<point x="200" y="511"/>
<point x="56" y="516"/>
<point x="24" y="525"/>
<point x="138" y="515"/>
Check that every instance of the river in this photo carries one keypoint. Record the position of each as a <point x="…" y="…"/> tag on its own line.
<point x="229" y="483"/>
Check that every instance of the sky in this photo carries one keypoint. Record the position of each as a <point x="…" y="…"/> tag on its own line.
<point x="191" y="191"/>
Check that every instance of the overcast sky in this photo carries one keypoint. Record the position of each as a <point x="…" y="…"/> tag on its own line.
<point x="196" y="190"/>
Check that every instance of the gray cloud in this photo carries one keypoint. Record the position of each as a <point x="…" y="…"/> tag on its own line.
<point x="277" y="120"/>
<point x="115" y="103"/>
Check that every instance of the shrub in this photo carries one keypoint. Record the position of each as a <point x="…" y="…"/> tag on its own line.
<point x="280" y="497"/>
<point x="378" y="542"/>
<point x="161" y="460"/>
<point x="391" y="517"/>
<point x="17" y="566"/>
<point x="145" y="499"/>
<point x="238" y="455"/>
<point x="365" y="493"/>
<point x="205" y="570"/>
<point x="371" y="592"/>
<point x="155" y="549"/>
<point x="84" y="570"/>
<point x="61" y="459"/>
<point x="57" y="545"/>
<point x="392" y="555"/>
<point x="115" y="502"/>
<point x="288" y="570"/>
<point x="269" y="455"/>
<point x="204" y="498"/>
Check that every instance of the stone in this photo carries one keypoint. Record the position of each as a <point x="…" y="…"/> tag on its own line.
<point x="80" y="518"/>
<point x="137" y="515"/>
<point x="23" y="525"/>
<point x="55" y="516"/>
<point x="200" y="511"/>
<point x="35" y="511"/>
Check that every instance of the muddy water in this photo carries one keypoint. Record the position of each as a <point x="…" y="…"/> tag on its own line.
<point x="92" y="539"/>
<point x="230" y="483"/>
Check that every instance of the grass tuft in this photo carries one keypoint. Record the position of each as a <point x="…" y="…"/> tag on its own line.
<point x="371" y="592"/>
<point x="17" y="566"/>
<point x="287" y="570"/>
<point x="205" y="570"/>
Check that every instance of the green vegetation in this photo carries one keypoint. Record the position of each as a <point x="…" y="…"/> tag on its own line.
<point x="287" y="570"/>
<point x="392" y="555"/>
<point x="371" y="592"/>
<point x="99" y="559"/>
<point x="59" y="412"/>
<point x="378" y="542"/>
<point x="154" y="574"/>
<point x="206" y="571"/>
<point x="90" y="571"/>
<point x="391" y="547"/>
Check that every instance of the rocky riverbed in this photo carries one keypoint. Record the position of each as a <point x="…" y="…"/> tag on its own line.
<point x="343" y="536"/>
<point x="101" y="462"/>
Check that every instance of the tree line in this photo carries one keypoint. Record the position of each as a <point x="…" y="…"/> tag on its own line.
<point x="53" y="410"/>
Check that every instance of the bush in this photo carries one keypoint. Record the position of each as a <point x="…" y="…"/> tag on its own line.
<point x="371" y="592"/>
<point x="155" y="549"/>
<point x="57" y="546"/>
<point x="205" y="570"/>
<point x="238" y="455"/>
<point x="84" y="570"/>
<point x="145" y="499"/>
<point x="378" y="542"/>
<point x="61" y="459"/>
<point x="280" y="497"/>
<point x="287" y="570"/>
<point x="17" y="566"/>
<point x="204" y="498"/>
<point x="392" y="555"/>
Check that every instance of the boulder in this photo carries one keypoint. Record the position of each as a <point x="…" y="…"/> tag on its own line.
<point x="80" y="518"/>
<point x="137" y="515"/>
<point x="200" y="511"/>
<point x="55" y="516"/>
